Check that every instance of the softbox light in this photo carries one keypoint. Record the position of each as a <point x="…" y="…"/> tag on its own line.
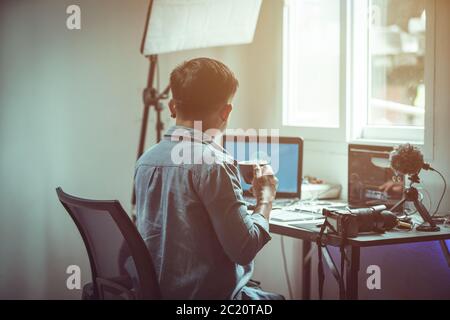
<point x="176" y="25"/>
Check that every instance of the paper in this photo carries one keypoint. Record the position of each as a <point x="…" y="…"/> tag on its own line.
<point x="176" y="25"/>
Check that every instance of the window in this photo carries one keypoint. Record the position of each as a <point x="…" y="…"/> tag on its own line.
<point x="361" y="61"/>
<point x="311" y="63"/>
<point x="388" y="61"/>
<point x="396" y="55"/>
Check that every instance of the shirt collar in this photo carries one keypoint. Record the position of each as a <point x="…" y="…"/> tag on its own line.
<point x="182" y="133"/>
<point x="175" y="133"/>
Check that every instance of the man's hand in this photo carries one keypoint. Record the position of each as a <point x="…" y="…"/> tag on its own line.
<point x="264" y="185"/>
<point x="264" y="188"/>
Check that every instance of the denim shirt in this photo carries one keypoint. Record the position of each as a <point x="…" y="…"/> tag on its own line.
<point x="193" y="219"/>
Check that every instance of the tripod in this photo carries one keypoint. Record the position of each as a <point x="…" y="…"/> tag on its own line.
<point x="412" y="195"/>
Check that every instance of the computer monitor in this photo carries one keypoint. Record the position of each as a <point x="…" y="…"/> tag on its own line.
<point x="284" y="154"/>
<point x="371" y="181"/>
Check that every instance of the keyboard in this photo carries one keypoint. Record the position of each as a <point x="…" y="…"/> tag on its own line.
<point x="297" y="216"/>
<point x="315" y="206"/>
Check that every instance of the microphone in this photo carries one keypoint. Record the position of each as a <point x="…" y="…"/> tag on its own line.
<point x="407" y="159"/>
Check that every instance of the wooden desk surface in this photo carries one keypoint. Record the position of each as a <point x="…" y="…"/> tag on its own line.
<point x="311" y="231"/>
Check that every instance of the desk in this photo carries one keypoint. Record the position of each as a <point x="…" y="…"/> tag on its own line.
<point x="310" y="232"/>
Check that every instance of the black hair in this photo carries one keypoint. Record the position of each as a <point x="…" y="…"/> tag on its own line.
<point x="200" y="85"/>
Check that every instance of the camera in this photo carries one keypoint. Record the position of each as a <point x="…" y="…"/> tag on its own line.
<point x="348" y="223"/>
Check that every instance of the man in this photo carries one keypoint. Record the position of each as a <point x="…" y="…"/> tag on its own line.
<point x="190" y="209"/>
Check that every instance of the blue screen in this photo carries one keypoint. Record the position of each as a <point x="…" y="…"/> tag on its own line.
<point x="282" y="157"/>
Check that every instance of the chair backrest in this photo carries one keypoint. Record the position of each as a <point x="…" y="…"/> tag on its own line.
<point x="121" y="264"/>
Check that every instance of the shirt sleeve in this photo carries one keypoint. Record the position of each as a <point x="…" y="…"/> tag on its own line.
<point x="241" y="234"/>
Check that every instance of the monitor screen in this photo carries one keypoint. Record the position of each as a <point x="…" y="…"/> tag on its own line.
<point x="283" y="156"/>
<point x="371" y="180"/>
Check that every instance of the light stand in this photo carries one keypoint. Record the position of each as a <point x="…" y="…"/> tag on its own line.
<point x="152" y="99"/>
<point x="412" y="195"/>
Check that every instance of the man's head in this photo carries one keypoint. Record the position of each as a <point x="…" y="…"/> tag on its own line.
<point x="202" y="90"/>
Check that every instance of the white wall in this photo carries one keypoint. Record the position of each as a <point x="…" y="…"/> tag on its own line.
<point x="70" y="109"/>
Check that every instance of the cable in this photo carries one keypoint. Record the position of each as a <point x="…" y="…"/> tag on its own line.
<point x="443" y="192"/>
<point x="286" y="273"/>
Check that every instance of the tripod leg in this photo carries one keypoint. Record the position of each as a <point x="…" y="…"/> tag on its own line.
<point x="423" y="212"/>
<point x="398" y="204"/>
<point x="426" y="217"/>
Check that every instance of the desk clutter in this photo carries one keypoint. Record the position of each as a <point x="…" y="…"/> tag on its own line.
<point x="340" y="216"/>
<point x="378" y="197"/>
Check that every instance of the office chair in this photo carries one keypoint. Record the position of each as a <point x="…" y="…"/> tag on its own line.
<point x="121" y="265"/>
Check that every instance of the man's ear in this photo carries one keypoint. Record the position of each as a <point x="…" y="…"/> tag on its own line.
<point x="225" y="112"/>
<point x="172" y="108"/>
